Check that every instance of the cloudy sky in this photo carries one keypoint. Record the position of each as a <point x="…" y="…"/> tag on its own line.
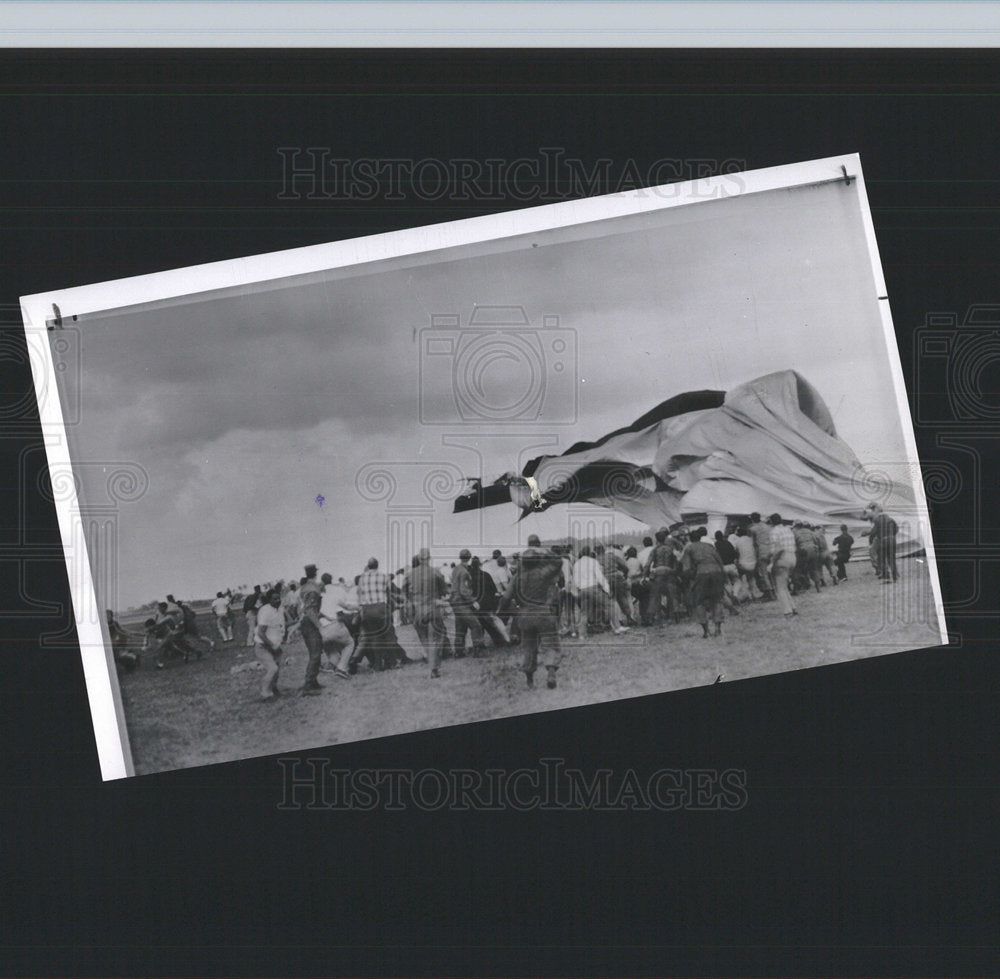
<point x="244" y="410"/>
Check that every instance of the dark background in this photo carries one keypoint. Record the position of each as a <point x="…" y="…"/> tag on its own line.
<point x="868" y="845"/>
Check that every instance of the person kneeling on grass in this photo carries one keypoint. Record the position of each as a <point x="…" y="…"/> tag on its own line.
<point x="165" y="638"/>
<point x="269" y="635"/>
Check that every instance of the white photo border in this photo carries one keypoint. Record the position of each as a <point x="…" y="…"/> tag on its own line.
<point x="193" y="282"/>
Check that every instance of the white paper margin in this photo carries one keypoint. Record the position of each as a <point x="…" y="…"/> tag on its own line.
<point x="102" y="688"/>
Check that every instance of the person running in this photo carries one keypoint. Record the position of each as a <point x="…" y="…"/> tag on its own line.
<point x="616" y="574"/>
<point x="746" y="562"/>
<point x="883" y="540"/>
<point x="426" y="591"/>
<point x="340" y="601"/>
<point x="309" y="625"/>
<point x="569" y="596"/>
<point x="843" y="543"/>
<point x="500" y="572"/>
<point x="704" y="565"/>
<point x="728" y="556"/>
<point x="189" y="626"/>
<point x="491" y="566"/>
<point x="535" y="592"/>
<point x="760" y="533"/>
<point x="269" y="635"/>
<point x="336" y="637"/>
<point x="485" y="591"/>
<point x="806" y="556"/>
<point x="824" y="559"/>
<point x="661" y="569"/>
<point x="223" y="617"/>
<point x="464" y="605"/>
<point x="647" y="548"/>
<point x="638" y="584"/>
<point x="251" y="604"/>
<point x="508" y="609"/>
<point x="393" y="654"/>
<point x="594" y="592"/>
<point x="165" y="617"/>
<point x="373" y="600"/>
<point x="165" y="637"/>
<point x="158" y="641"/>
<point x="782" y="545"/>
<point x="291" y="604"/>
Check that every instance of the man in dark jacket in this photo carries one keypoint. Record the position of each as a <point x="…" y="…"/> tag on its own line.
<point x="535" y="591"/>
<point x="465" y="606"/>
<point x="883" y="541"/>
<point x="484" y="590"/>
<point x="661" y="568"/>
<point x="843" y="543"/>
<point x="426" y="590"/>
<point x="702" y="562"/>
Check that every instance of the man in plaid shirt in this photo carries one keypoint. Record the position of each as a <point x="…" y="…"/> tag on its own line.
<point x="782" y="542"/>
<point x="373" y="599"/>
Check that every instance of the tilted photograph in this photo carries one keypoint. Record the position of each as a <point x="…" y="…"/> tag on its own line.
<point x="553" y="457"/>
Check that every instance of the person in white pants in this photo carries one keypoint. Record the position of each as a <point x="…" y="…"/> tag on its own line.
<point x="223" y="620"/>
<point x="269" y="635"/>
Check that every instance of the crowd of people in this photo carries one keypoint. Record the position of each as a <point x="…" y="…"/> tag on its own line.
<point x="531" y="599"/>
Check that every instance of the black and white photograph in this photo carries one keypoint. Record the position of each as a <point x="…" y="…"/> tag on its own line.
<point x="499" y="488"/>
<point x="565" y="455"/>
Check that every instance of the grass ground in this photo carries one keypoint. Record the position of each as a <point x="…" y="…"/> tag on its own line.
<point x="203" y="712"/>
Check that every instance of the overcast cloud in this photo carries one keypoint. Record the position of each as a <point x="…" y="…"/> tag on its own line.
<point x="243" y="410"/>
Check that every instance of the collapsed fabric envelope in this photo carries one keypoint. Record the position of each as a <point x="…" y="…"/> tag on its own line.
<point x="768" y="445"/>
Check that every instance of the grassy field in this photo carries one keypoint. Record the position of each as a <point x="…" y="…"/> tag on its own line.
<point x="203" y="712"/>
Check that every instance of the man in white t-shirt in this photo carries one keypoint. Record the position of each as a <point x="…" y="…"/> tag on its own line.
<point x="491" y="565"/>
<point x="643" y="555"/>
<point x="335" y="612"/>
<point x="223" y="620"/>
<point x="746" y="561"/>
<point x="269" y="636"/>
<point x="499" y="571"/>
